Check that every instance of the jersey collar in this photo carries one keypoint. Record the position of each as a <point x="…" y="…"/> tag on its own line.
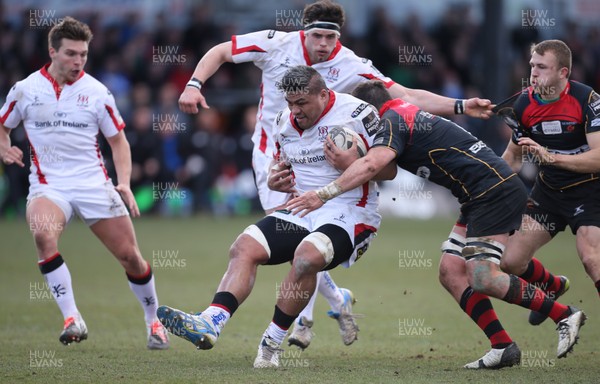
<point x="338" y="47"/>
<point x="389" y="105"/>
<point x="538" y="100"/>
<point x="327" y="109"/>
<point x="55" y="85"/>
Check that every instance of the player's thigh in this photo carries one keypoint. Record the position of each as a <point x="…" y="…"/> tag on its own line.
<point x="281" y="233"/>
<point x="588" y="248"/>
<point x="47" y="215"/>
<point x="97" y="202"/>
<point x="340" y="246"/>
<point x="523" y="245"/>
<point x="117" y="235"/>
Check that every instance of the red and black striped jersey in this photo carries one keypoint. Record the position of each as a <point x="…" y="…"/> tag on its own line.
<point x="561" y="126"/>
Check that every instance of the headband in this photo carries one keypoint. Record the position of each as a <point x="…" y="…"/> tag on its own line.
<point x="323" y="25"/>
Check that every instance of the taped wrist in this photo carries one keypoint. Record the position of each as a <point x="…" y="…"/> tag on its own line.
<point x="329" y="191"/>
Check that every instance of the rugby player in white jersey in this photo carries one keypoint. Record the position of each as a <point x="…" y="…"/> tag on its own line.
<point x="63" y="109"/>
<point x="340" y="234"/>
<point x="318" y="45"/>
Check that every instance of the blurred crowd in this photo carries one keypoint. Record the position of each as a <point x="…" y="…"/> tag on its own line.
<point x="184" y="164"/>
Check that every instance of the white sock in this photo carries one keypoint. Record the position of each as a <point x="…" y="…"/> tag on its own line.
<point x="59" y="283"/>
<point x="146" y="295"/>
<point x="275" y="333"/>
<point x="330" y="291"/>
<point x="307" y="312"/>
<point x="218" y="315"/>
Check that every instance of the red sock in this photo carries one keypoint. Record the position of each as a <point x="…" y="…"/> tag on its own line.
<point x="539" y="276"/>
<point x="480" y="310"/>
<point x="526" y="295"/>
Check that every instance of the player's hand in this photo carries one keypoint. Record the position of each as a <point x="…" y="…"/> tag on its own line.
<point x="540" y="154"/>
<point x="479" y="108"/>
<point x="304" y="204"/>
<point x="129" y="200"/>
<point x="189" y="100"/>
<point x="14" y="155"/>
<point x="338" y="158"/>
<point x="281" y="178"/>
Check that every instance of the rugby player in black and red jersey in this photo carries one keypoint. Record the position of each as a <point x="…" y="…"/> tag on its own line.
<point x="492" y="201"/>
<point x="556" y="123"/>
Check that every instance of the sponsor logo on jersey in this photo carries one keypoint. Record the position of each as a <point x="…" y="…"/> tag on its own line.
<point x="60" y="114"/>
<point x="478" y="146"/>
<point x="322" y="132"/>
<point x="333" y="74"/>
<point x="371" y="123"/>
<point x="83" y="100"/>
<point x="358" y="110"/>
<point x="551" y="127"/>
<point x="595" y="103"/>
<point x="271" y="34"/>
<point x="36" y="102"/>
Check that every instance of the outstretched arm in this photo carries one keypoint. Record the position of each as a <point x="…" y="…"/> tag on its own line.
<point x="441" y="105"/>
<point x="207" y="66"/>
<point x="360" y="172"/>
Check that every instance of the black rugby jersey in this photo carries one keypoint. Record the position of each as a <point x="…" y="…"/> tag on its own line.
<point x="439" y="150"/>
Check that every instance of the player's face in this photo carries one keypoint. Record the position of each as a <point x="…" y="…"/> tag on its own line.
<point x="545" y="74"/>
<point x="306" y="108"/>
<point x="319" y="44"/>
<point x="69" y="60"/>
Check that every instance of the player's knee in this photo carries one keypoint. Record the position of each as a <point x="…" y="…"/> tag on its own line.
<point x="129" y="256"/>
<point x="512" y="267"/>
<point x="251" y="244"/>
<point x="313" y="254"/>
<point x="452" y="263"/>
<point x="482" y="275"/>
<point x="447" y="270"/>
<point x="45" y="239"/>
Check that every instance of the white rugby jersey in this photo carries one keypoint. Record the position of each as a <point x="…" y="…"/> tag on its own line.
<point x="62" y="127"/>
<point x="303" y="149"/>
<point x="274" y="53"/>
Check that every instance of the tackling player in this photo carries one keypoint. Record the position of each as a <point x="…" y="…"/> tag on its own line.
<point x="492" y="202"/>
<point x="317" y="45"/>
<point x="63" y="109"/>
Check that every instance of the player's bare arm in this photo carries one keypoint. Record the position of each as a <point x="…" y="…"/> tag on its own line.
<point x="513" y="156"/>
<point x="342" y="159"/>
<point x="121" y="154"/>
<point x="9" y="154"/>
<point x="586" y="162"/>
<point x="360" y="172"/>
<point x="441" y="105"/>
<point x="207" y="66"/>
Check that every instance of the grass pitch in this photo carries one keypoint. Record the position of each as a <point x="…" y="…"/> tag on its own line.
<point x="412" y="330"/>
